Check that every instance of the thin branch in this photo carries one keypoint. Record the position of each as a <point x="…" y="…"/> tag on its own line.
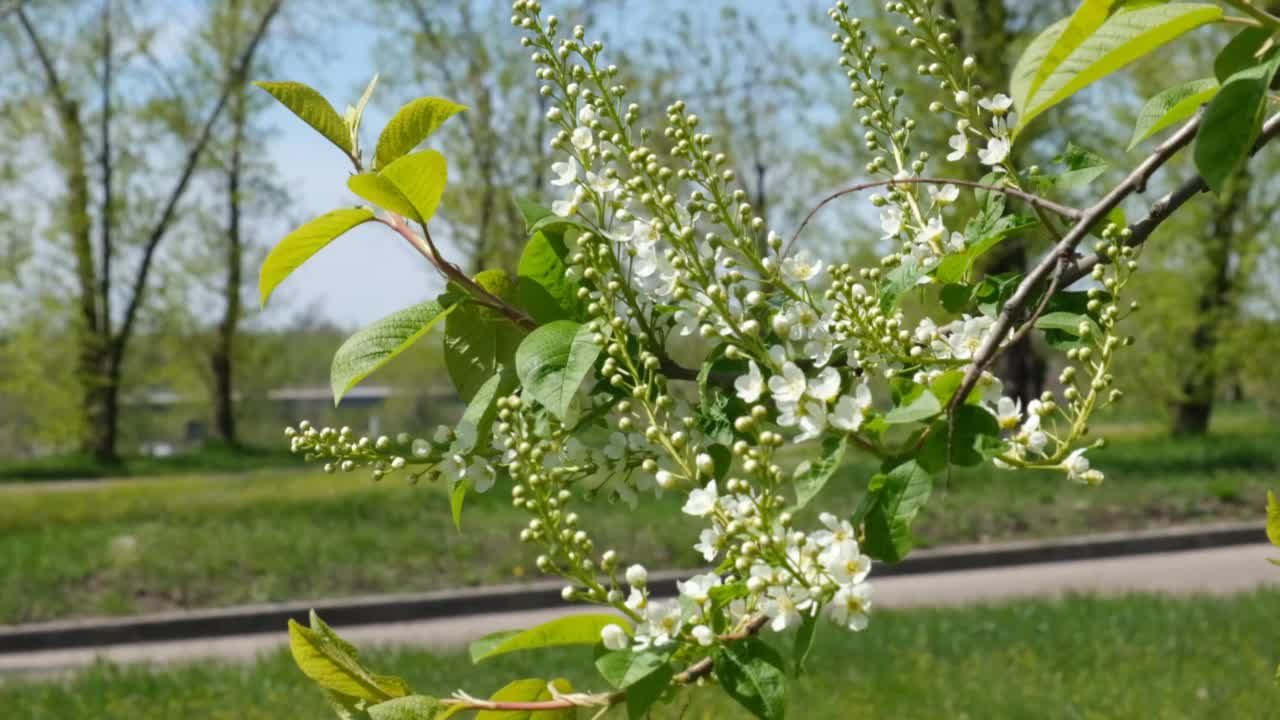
<point x="234" y="80"/>
<point x="108" y="172"/>
<point x="1136" y="181"/>
<point x="1163" y="209"/>
<point x="1030" y="198"/>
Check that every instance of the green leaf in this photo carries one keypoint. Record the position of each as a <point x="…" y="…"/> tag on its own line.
<point x="529" y="691"/>
<point x="381" y="192"/>
<point x="332" y="666"/>
<point x="900" y="495"/>
<point x="298" y="246"/>
<point x="1273" y="519"/>
<point x="379" y="343"/>
<point x="1232" y="122"/>
<point x="1087" y="18"/>
<point x="572" y="630"/>
<point x="410" y="126"/>
<point x="457" y="496"/>
<point x="476" y="425"/>
<point x="1243" y="51"/>
<point x="420" y="178"/>
<point x="479" y="339"/>
<point x="751" y="673"/>
<point x="1124" y="37"/>
<point x="812" y="475"/>
<point x="624" y="668"/>
<point x="314" y="110"/>
<point x="345" y="706"/>
<point x="553" y="361"/>
<point x="543" y="287"/>
<point x="922" y="407"/>
<point x="954" y="267"/>
<point x="411" y="707"/>
<point x="1068" y="323"/>
<point x="1172" y="106"/>
<point x="804" y="641"/>
<point x="532" y="212"/>
<point x="898" y="282"/>
<point x="973" y="425"/>
<point x="646" y="691"/>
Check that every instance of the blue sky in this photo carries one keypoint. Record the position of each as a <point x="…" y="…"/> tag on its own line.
<point x="370" y="272"/>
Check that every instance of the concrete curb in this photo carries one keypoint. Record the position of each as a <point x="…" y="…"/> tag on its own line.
<point x="272" y="618"/>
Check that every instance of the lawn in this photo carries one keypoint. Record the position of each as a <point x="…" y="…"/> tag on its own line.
<point x="1083" y="657"/>
<point x="200" y="540"/>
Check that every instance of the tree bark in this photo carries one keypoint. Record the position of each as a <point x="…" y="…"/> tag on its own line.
<point x="222" y="359"/>
<point x="1215" y="307"/>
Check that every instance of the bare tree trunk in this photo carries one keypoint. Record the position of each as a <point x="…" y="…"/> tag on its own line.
<point x="1214" y="308"/>
<point x="223" y="356"/>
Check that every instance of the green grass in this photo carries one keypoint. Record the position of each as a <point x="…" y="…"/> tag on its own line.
<point x="210" y="458"/>
<point x="200" y="541"/>
<point x="1084" y="657"/>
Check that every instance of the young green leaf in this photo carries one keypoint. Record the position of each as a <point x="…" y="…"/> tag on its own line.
<point x="895" y="503"/>
<point x="1243" y="51"/>
<point x="332" y="667"/>
<point x="314" y="110"/>
<point x="624" y="668"/>
<point x="1124" y="37"/>
<point x="381" y="192"/>
<point x="955" y="266"/>
<point x="420" y="178"/>
<point x="410" y="126"/>
<point x="812" y="475"/>
<point x="298" y="246"/>
<point x="1232" y="122"/>
<point x="379" y="343"/>
<point x="411" y="707"/>
<point x="476" y="425"/>
<point x="572" y="630"/>
<point x="457" y="496"/>
<point x="752" y="673"/>
<point x="479" y="339"/>
<point x="544" y="288"/>
<point x="922" y="407"/>
<point x="804" y="641"/>
<point x="646" y="691"/>
<point x="526" y="691"/>
<point x="553" y="361"/>
<point x="1069" y="323"/>
<point x="1086" y="20"/>
<point x="357" y="113"/>
<point x="1172" y="106"/>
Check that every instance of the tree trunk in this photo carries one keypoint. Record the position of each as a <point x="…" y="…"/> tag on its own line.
<point x="222" y="359"/>
<point x="1214" y="307"/>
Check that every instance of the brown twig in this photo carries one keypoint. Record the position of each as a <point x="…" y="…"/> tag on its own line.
<point x="1030" y="198"/>
<point x="1062" y="252"/>
<point x="1162" y="210"/>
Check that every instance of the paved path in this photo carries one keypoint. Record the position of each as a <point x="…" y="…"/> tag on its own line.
<point x="1221" y="570"/>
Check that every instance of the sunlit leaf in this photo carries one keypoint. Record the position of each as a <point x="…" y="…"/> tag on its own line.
<point x="1172" y="106"/>
<point x="298" y="246"/>
<point x="379" y="343"/>
<point x="410" y="126"/>
<point x="310" y="105"/>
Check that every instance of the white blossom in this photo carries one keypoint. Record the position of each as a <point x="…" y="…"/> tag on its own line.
<point x="944" y="195"/>
<point x="789" y="386"/>
<point x="959" y="144"/>
<point x="826" y="386"/>
<point x="582" y="138"/>
<point x="999" y="104"/>
<point x="851" y="410"/>
<point x="891" y="221"/>
<point x="784" y="605"/>
<point x="750" y="386"/>
<point x="697" y="587"/>
<point x="801" y="267"/>
<point x="702" y="501"/>
<point x="566" y="172"/>
<point x="850" y="605"/>
<point x="703" y="635"/>
<point x="708" y="540"/>
<point x="614" y="637"/>
<point x="996" y="151"/>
